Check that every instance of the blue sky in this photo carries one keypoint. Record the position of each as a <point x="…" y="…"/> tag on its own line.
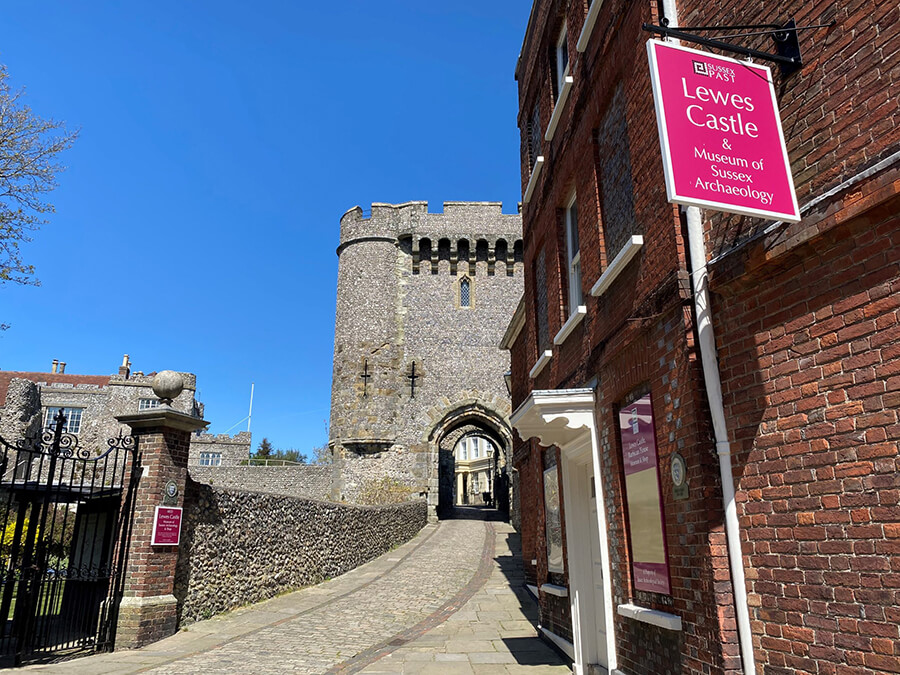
<point x="220" y="142"/>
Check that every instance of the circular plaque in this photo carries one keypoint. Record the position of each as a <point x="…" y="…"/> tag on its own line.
<point x="679" y="470"/>
<point x="171" y="489"/>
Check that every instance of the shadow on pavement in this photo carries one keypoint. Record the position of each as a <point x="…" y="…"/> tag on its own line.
<point x="533" y="650"/>
<point x="473" y="513"/>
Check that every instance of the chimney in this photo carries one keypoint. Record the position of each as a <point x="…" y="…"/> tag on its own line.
<point x="55" y="363"/>
<point x="125" y="368"/>
<point x="62" y="367"/>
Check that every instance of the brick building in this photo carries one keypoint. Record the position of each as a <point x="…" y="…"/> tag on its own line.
<point x="30" y="400"/>
<point x="767" y="538"/>
<point x="422" y="301"/>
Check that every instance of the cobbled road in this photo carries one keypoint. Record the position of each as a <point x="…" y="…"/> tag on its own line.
<point x="449" y="601"/>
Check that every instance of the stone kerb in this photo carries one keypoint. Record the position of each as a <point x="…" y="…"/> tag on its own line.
<point x="148" y="610"/>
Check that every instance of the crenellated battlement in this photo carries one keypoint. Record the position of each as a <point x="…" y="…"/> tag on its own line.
<point x="469" y="220"/>
<point x="462" y="236"/>
<point x="240" y="438"/>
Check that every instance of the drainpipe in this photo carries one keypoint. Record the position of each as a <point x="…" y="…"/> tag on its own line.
<point x="710" y="363"/>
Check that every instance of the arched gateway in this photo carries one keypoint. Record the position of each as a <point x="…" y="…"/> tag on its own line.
<point x="474" y="421"/>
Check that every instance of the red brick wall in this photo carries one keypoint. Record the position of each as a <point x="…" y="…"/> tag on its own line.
<point x="839" y="113"/>
<point x="807" y="322"/>
<point x="807" y="333"/>
<point x="637" y="337"/>
<point x="810" y="358"/>
<point x="151" y="569"/>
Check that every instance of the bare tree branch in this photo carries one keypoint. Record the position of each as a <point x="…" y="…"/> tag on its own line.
<point x="29" y="147"/>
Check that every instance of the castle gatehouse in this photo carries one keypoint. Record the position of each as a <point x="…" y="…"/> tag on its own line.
<point x="423" y="300"/>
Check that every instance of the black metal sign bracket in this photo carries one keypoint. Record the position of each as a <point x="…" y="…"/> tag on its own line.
<point x="787" y="44"/>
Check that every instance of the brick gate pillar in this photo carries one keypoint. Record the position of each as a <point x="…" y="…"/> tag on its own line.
<point x="148" y="608"/>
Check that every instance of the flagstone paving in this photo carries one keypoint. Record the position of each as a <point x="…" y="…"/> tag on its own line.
<point x="450" y="601"/>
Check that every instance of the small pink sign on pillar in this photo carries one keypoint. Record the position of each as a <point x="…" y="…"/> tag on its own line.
<point x="166" y="526"/>
<point x="720" y="132"/>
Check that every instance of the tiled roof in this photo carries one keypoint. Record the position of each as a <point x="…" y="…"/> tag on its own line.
<point x="49" y="378"/>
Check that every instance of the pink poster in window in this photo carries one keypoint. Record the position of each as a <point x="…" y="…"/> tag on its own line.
<point x="650" y="569"/>
<point x="167" y="526"/>
<point x="720" y="131"/>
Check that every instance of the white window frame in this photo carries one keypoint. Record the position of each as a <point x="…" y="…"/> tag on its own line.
<point x="148" y="404"/>
<point x="68" y="412"/>
<point x="210" y="459"/>
<point x="476" y="447"/>
<point x="462" y="451"/>
<point x="573" y="255"/>
<point x="562" y="60"/>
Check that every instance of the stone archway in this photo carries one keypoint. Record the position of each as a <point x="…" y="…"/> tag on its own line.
<point x="469" y="417"/>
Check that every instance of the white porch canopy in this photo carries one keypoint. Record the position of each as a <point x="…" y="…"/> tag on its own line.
<point x="565" y="418"/>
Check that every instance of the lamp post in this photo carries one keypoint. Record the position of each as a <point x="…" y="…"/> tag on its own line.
<point x="492" y="467"/>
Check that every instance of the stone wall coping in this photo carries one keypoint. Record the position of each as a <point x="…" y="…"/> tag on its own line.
<point x="162" y="416"/>
<point x="367" y="507"/>
<point x="148" y="601"/>
<point x="222" y="439"/>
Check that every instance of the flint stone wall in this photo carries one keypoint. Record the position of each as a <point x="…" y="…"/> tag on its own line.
<point x="309" y="480"/>
<point x="240" y="547"/>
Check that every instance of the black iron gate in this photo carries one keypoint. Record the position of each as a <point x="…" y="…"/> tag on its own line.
<point x="65" y="514"/>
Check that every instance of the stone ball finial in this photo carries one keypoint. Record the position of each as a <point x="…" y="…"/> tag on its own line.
<point x="167" y="384"/>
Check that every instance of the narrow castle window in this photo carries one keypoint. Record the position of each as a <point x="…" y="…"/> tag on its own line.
<point x="465" y="292"/>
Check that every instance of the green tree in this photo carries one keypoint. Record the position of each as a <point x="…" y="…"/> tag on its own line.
<point x="265" y="449"/>
<point x="292" y="455"/>
<point x="29" y="146"/>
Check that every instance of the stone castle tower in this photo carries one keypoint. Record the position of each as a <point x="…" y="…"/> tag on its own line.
<point x="423" y="300"/>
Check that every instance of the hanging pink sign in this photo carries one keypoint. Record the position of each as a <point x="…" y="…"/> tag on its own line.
<point x="720" y="131"/>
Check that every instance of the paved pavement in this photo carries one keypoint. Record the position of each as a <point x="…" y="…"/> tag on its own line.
<point x="449" y="601"/>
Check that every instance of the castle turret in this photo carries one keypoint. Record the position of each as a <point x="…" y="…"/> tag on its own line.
<point x="366" y="349"/>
